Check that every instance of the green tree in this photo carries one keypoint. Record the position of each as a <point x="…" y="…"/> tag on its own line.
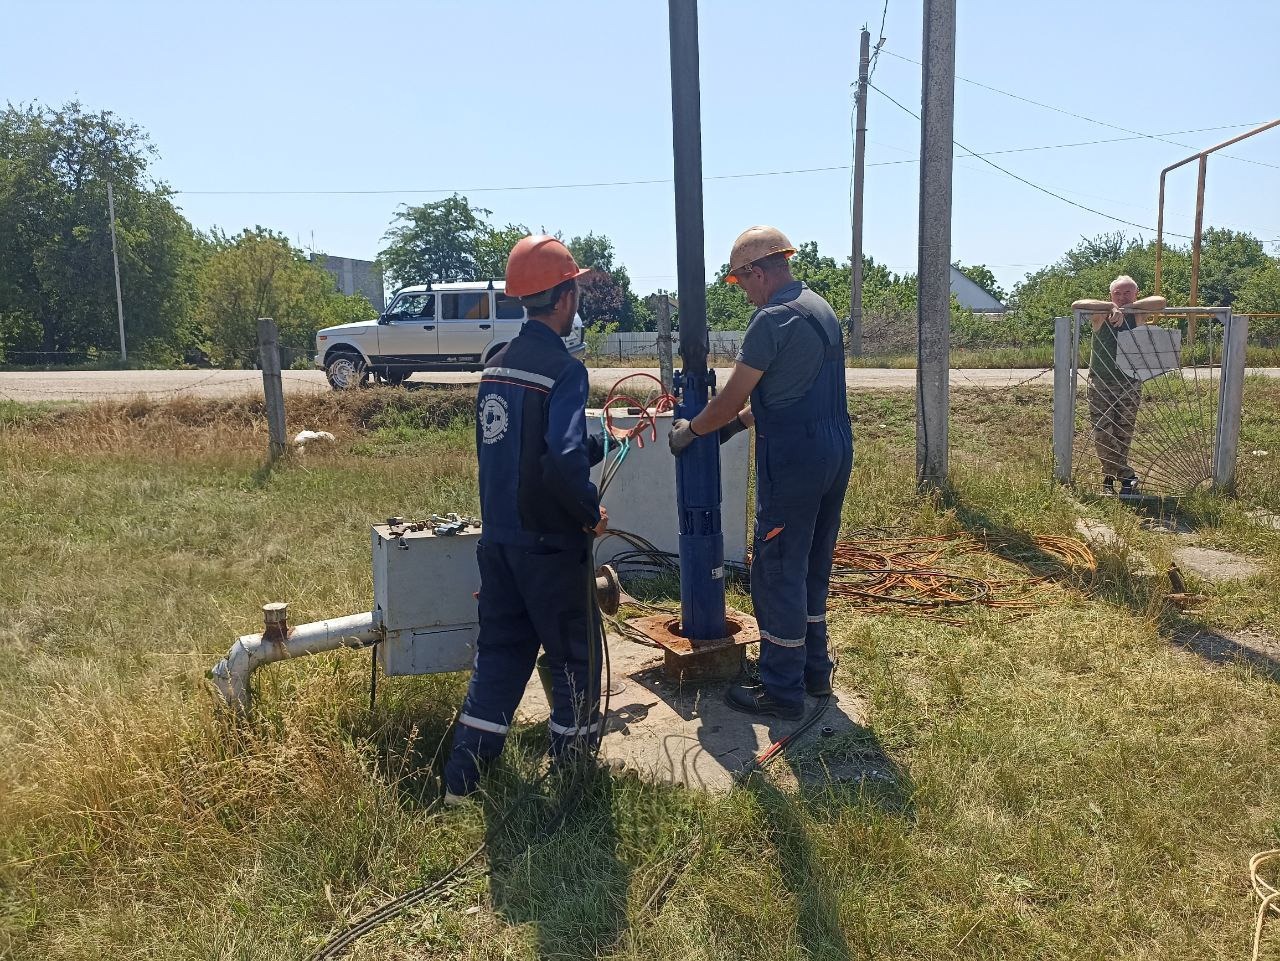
<point x="258" y="273"/>
<point x="1230" y="262"/>
<point x="437" y="242"/>
<point x="57" y="287"/>
<point x="606" y="294"/>
<point x="492" y="249"/>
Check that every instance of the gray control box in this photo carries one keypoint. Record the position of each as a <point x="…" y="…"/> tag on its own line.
<point x="424" y="592"/>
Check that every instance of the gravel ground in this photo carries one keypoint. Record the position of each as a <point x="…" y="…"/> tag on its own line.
<point x="157" y="384"/>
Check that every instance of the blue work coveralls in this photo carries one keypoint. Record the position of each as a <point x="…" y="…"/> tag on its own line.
<point x="804" y="453"/>
<point x="537" y="503"/>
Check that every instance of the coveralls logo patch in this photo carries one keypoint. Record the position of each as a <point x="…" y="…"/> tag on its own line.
<point x="493" y="418"/>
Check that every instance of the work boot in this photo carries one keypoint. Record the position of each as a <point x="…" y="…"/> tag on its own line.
<point x="1108" y="484"/>
<point x="758" y="701"/>
<point x="1129" y="486"/>
<point x="818" y="687"/>
<point x="452" y="800"/>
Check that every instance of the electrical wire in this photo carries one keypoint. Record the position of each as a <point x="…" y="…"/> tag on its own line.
<point x="570" y="794"/>
<point x="1093" y="120"/>
<point x="1024" y="180"/>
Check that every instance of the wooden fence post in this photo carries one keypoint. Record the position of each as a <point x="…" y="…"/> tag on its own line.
<point x="272" y="385"/>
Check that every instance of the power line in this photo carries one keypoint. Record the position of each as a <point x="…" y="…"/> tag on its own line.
<point x="649" y="181"/>
<point x="875" y="54"/>
<point x="1093" y="120"/>
<point x="1036" y="186"/>
<point x="1078" y="143"/>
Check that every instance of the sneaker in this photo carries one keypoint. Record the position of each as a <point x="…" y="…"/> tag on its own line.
<point x="1108" y="484"/>
<point x="757" y="701"/>
<point x="1129" y="486"/>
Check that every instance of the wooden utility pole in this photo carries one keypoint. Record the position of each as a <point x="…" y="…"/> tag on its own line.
<point x="272" y="385"/>
<point x="859" y="156"/>
<point x="933" y="318"/>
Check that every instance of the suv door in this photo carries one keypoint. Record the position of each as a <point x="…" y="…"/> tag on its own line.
<point x="466" y="325"/>
<point x="407" y="332"/>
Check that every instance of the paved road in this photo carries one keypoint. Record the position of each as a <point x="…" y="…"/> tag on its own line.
<point x="161" y="384"/>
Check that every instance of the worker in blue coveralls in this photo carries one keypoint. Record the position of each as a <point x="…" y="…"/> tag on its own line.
<point x="791" y="366"/>
<point x="539" y="511"/>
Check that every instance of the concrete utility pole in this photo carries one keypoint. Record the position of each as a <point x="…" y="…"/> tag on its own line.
<point x="933" y="318"/>
<point x="664" y="340"/>
<point x="115" y="260"/>
<point x="859" y="156"/>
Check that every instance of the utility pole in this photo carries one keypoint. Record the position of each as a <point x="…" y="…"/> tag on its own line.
<point x="115" y="260"/>
<point x="859" y="156"/>
<point x="933" y="318"/>
<point x="664" y="339"/>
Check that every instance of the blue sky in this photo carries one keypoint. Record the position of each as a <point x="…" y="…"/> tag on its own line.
<point x="390" y="95"/>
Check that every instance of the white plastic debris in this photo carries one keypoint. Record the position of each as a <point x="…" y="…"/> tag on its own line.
<point x="1260" y="453"/>
<point x="305" y="437"/>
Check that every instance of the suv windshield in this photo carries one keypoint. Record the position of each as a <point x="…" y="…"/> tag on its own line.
<point x="412" y="306"/>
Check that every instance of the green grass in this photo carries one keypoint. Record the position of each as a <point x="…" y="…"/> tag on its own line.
<point x="1073" y="785"/>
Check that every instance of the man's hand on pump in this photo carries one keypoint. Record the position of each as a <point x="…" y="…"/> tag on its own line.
<point x="681" y="437"/>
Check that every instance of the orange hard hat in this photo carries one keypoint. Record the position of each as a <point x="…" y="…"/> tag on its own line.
<point x="756" y="243"/>
<point x="538" y="263"/>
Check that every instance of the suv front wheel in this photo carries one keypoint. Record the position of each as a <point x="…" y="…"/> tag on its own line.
<point x="345" y="371"/>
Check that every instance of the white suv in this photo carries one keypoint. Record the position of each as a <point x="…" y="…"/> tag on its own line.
<point x="435" y="327"/>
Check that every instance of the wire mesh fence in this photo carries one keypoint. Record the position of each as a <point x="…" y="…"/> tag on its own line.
<point x="1146" y="399"/>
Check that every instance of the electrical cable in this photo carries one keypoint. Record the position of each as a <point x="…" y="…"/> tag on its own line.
<point x="570" y="794"/>
<point x="1093" y="120"/>
<point x="778" y="747"/>
<point x="1030" y="183"/>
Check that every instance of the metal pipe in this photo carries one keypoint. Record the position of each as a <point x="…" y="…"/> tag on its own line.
<point x="702" y="607"/>
<point x="1230" y="402"/>
<point x="1196" y="244"/>
<point x="1160" y="230"/>
<point x="277" y="642"/>
<point x="686" y="143"/>
<point x="1186" y="160"/>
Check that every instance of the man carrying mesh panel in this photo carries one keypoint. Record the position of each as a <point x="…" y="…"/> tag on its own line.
<point x="1114" y="396"/>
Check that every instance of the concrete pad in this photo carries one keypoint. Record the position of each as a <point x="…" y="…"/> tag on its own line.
<point x="685" y="734"/>
<point x="1098" y="534"/>
<point x="1264" y="518"/>
<point x="1253" y="648"/>
<point x="1101" y="535"/>
<point x="1214" y="565"/>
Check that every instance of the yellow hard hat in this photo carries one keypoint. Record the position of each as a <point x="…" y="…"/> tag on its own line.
<point x="756" y="243"/>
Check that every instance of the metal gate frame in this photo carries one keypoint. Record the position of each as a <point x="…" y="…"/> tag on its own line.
<point x="1226" y="439"/>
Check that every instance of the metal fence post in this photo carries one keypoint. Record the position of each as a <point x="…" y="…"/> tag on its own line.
<point x="1230" y="402"/>
<point x="272" y="385"/>
<point x="1064" y="398"/>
